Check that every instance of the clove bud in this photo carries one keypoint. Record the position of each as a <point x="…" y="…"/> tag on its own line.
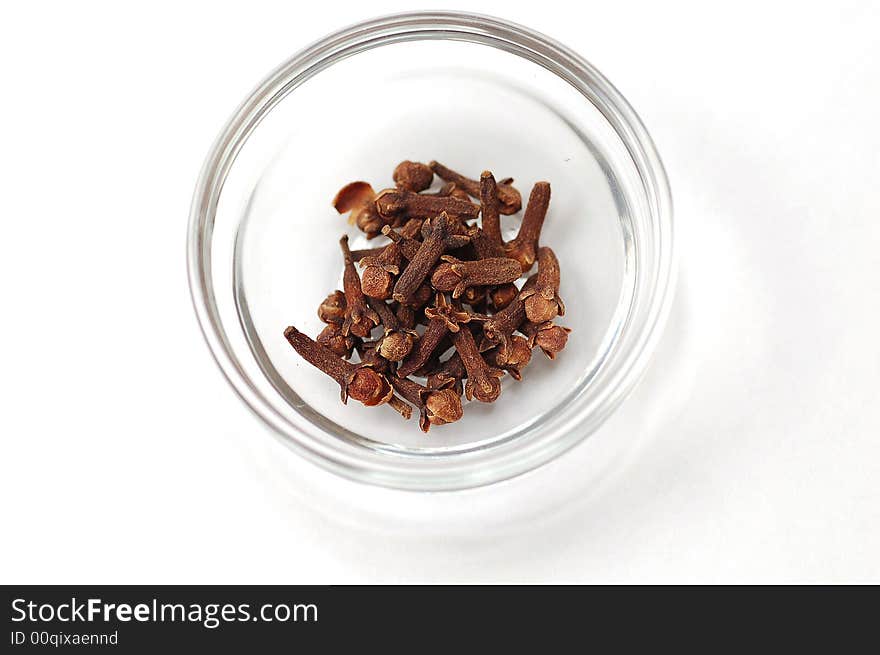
<point x="509" y="198"/>
<point x="357" y="199"/>
<point x="440" y="269"/>
<point x="359" y="319"/>
<point x="364" y="384"/>
<point x="542" y="301"/>
<point x="436" y="405"/>
<point x="457" y="276"/>
<point x="524" y="246"/>
<point x="332" y="310"/>
<point x="332" y="338"/>
<point x="393" y="203"/>
<point x="413" y="176"/>
<point x="438" y="237"/>
<point x="377" y="278"/>
<point x="550" y="338"/>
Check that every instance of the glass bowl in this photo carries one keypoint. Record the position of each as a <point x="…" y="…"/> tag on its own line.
<point x="475" y="93"/>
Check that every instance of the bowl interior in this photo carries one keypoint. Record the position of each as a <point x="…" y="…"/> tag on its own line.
<point x="472" y="107"/>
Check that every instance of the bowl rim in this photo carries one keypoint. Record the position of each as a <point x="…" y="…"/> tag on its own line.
<point x="461" y="470"/>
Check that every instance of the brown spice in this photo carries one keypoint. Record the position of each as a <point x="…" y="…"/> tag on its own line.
<point x="406" y="316"/>
<point x="406" y="239"/>
<point x="509" y="198"/>
<point x="449" y="189"/>
<point x="437" y="239"/>
<point x="483" y="383"/>
<point x="502" y="296"/>
<point x="363" y="253"/>
<point x="370" y="357"/>
<point x="498" y="328"/>
<point x="361" y="383"/>
<point x="433" y="363"/>
<point x="332" y="338"/>
<point x="413" y="176"/>
<point x="379" y="272"/>
<point x="484" y="247"/>
<point x="457" y="276"/>
<point x="359" y="319"/>
<point x="435" y="247"/>
<point x="489" y="208"/>
<point x="436" y="405"/>
<point x="421" y="297"/>
<point x="475" y="297"/>
<point x="412" y="229"/>
<point x="524" y="247"/>
<point x="397" y="341"/>
<point x="446" y="375"/>
<point x="443" y="317"/>
<point x="358" y="200"/>
<point x="393" y="203"/>
<point x="408" y="246"/>
<point x="332" y="309"/>
<point x="542" y="300"/>
<point x="408" y="236"/>
<point x="549" y="337"/>
<point x="512" y="356"/>
<point x="452" y="367"/>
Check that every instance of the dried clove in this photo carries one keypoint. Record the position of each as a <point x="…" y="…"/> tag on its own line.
<point x="476" y="298"/>
<point x="498" y="328"/>
<point x="489" y="208"/>
<point x="438" y="238"/>
<point x="397" y="341"/>
<point x="332" y="338"/>
<point x="524" y="246"/>
<point x="449" y="189"/>
<point x="436" y="405"/>
<point x="405" y="240"/>
<point x="549" y="337"/>
<point x="357" y="199"/>
<point x="542" y="300"/>
<point x="433" y="363"/>
<point x="509" y="198"/>
<point x="512" y="356"/>
<point x="455" y="191"/>
<point x="364" y="384"/>
<point x="437" y="262"/>
<point x="406" y="316"/>
<point x="443" y="317"/>
<point x="359" y="319"/>
<point x="387" y="319"/>
<point x="449" y="374"/>
<point x="457" y="276"/>
<point x="371" y="358"/>
<point x="408" y="246"/>
<point x="379" y="272"/>
<point x="483" y="383"/>
<point x="413" y="176"/>
<point x="501" y="296"/>
<point x="394" y="203"/>
<point x="332" y="310"/>
<point x="422" y="297"/>
<point x="485" y="247"/>
<point x="363" y="253"/>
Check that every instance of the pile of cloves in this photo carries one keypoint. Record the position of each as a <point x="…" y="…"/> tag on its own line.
<point x="445" y="267"/>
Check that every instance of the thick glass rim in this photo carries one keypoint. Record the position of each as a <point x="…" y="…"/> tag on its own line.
<point x="640" y="332"/>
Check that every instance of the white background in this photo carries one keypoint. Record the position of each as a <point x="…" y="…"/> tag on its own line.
<point x="755" y="438"/>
